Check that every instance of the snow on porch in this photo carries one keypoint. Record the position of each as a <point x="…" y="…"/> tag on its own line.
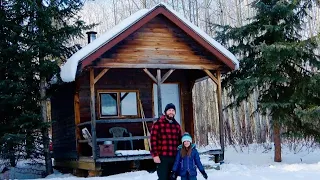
<point x="69" y="69"/>
<point x="131" y="152"/>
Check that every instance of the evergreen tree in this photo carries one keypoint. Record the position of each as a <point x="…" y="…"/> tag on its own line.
<point x="275" y="59"/>
<point x="18" y="97"/>
<point x="36" y="38"/>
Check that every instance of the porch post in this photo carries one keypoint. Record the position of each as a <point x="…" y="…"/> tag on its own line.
<point x="219" y="91"/>
<point x="77" y="116"/>
<point x="93" y="114"/>
<point x="217" y="80"/>
<point x="159" y="92"/>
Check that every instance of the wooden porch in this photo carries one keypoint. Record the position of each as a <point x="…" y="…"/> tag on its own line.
<point x="94" y="122"/>
<point x="116" y="157"/>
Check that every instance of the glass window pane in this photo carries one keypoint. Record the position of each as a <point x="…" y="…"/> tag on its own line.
<point x="129" y="104"/>
<point x="109" y="104"/>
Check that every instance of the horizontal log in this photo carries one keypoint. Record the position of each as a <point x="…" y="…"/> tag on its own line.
<point x="164" y="30"/>
<point x="123" y="138"/>
<point x="123" y="158"/>
<point x="86" y="159"/>
<point x="119" y="121"/>
<point x="143" y="49"/>
<point x="158" y="58"/>
<point x="153" y="35"/>
<point x="116" y="139"/>
<point x="158" y="37"/>
<point x="165" y="45"/>
<point x="159" y="41"/>
<point x="145" y="60"/>
<point x="157" y="66"/>
<point x="171" y="50"/>
<point x="170" y="55"/>
<point x="157" y="30"/>
<point x="155" y="51"/>
<point x="126" y="120"/>
<point x="86" y="165"/>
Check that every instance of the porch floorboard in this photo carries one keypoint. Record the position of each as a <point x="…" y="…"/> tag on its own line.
<point x="116" y="158"/>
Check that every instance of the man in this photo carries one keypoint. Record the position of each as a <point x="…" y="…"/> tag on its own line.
<point x="165" y="138"/>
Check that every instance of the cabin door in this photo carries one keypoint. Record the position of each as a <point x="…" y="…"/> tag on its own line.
<point x="170" y="93"/>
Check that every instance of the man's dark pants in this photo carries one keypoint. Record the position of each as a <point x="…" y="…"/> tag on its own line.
<point x="165" y="167"/>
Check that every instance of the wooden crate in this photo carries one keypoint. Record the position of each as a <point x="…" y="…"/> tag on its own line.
<point x="106" y="150"/>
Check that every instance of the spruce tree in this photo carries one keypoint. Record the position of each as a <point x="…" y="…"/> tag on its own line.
<point x="18" y="95"/>
<point x="36" y="39"/>
<point x="279" y="62"/>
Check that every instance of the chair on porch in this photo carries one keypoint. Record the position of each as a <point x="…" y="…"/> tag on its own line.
<point x="120" y="132"/>
<point x="86" y="134"/>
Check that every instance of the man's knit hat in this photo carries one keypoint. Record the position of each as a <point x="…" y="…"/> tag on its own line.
<point x="186" y="137"/>
<point x="169" y="106"/>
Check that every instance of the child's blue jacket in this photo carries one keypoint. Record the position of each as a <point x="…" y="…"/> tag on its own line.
<point x="188" y="163"/>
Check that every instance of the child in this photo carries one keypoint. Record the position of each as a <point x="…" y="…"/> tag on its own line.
<point x="187" y="161"/>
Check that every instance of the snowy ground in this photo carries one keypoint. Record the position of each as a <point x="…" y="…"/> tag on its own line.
<point x="253" y="162"/>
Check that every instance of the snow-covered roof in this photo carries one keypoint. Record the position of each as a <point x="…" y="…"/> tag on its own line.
<point x="69" y="69"/>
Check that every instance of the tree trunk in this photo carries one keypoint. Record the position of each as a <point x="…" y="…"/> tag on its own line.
<point x="184" y="8"/>
<point x="202" y="117"/>
<point x="43" y="103"/>
<point x="12" y="157"/>
<point x="114" y="12"/>
<point x="277" y="142"/>
<point x="45" y="134"/>
<point x="228" y="118"/>
<point x="206" y="16"/>
<point x="198" y="113"/>
<point x="197" y="13"/>
<point x="222" y="22"/>
<point x="235" y="129"/>
<point x="190" y="14"/>
<point x="208" y="90"/>
<point x="244" y="127"/>
<point x="257" y="116"/>
<point x="144" y="2"/>
<point x="238" y="12"/>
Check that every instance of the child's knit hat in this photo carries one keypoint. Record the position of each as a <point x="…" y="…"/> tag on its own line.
<point x="186" y="137"/>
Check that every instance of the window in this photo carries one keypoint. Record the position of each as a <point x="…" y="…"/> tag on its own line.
<point x="118" y="103"/>
<point x="109" y="104"/>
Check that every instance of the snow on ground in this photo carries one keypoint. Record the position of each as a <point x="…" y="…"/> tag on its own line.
<point x="243" y="163"/>
<point x="25" y="169"/>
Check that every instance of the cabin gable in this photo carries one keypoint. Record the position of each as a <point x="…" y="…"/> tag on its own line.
<point x="159" y="42"/>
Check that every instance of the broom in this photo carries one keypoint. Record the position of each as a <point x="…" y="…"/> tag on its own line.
<point x="145" y="128"/>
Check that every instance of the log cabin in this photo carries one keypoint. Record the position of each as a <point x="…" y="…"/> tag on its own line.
<point x="117" y="85"/>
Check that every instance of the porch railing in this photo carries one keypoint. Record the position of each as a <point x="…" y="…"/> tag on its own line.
<point x="111" y="121"/>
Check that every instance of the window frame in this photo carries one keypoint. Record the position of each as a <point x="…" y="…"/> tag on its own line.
<point x="119" y="112"/>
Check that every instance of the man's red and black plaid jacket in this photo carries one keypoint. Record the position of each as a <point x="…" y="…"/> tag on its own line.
<point x="165" y="137"/>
